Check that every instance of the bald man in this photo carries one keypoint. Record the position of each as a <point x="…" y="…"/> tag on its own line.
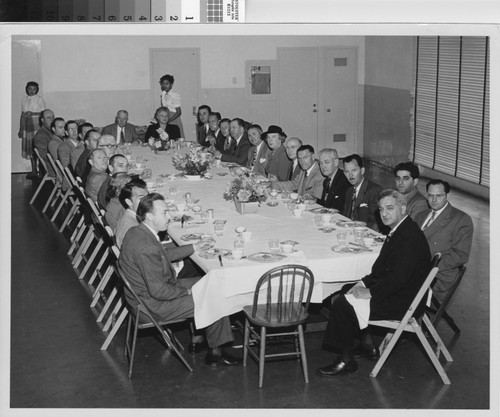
<point x="121" y="130"/>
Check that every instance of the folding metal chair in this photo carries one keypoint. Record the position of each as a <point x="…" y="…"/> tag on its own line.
<point x="47" y="177"/>
<point x="439" y="310"/>
<point x="140" y="317"/>
<point x="287" y="291"/>
<point x="412" y="324"/>
<point x="57" y="190"/>
<point x="67" y="189"/>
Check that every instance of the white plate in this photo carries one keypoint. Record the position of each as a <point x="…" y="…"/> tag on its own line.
<point x="214" y="253"/>
<point x="350" y="223"/>
<point x="266" y="257"/>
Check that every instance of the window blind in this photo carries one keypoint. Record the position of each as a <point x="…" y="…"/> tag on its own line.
<point x="451" y="106"/>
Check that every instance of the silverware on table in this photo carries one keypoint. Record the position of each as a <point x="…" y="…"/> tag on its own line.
<point x="220" y="260"/>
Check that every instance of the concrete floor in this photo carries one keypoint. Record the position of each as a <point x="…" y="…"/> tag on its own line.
<point x="56" y="361"/>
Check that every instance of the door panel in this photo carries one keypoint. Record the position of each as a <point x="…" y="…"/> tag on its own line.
<point x="339" y="110"/>
<point x="184" y="65"/>
<point x="298" y="93"/>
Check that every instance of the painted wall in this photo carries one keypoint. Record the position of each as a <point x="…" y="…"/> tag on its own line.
<point x="91" y="77"/>
<point x="388" y="80"/>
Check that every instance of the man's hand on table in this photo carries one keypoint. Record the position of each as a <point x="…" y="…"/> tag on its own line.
<point x="360" y="291"/>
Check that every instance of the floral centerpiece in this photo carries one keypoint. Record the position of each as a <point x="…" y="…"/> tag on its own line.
<point x="160" y="143"/>
<point x="246" y="193"/>
<point x="195" y="162"/>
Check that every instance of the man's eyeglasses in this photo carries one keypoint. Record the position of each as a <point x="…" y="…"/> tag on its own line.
<point x="108" y="146"/>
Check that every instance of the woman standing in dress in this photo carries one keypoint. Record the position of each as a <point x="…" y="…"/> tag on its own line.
<point x="31" y="107"/>
<point x="172" y="101"/>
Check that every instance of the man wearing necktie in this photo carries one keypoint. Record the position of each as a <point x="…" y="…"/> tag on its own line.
<point x="395" y="279"/>
<point x="291" y="147"/>
<point x="449" y="231"/>
<point x="335" y="184"/>
<point x="361" y="198"/>
<point x="147" y="266"/>
<point x="258" y="154"/>
<point x="121" y="130"/>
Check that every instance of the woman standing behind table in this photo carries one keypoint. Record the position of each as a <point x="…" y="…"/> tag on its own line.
<point x="161" y="129"/>
<point x="172" y="101"/>
<point x="31" y="107"/>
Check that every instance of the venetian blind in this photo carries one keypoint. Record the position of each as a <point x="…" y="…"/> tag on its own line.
<point x="451" y="106"/>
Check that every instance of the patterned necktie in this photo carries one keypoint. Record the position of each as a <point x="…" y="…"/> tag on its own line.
<point x="352" y="203"/>
<point x="122" y="136"/>
<point x="254" y="159"/>
<point x="226" y="143"/>
<point x="431" y="219"/>
<point x="326" y="189"/>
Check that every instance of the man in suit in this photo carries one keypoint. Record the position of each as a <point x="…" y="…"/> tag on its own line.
<point x="71" y="148"/>
<point x="291" y="147"/>
<point x="147" y="266"/>
<point x="108" y="144"/>
<point x="82" y="167"/>
<point x="278" y="166"/>
<point x="449" y="231"/>
<point x="223" y="138"/>
<point x="97" y="175"/>
<point x="309" y="181"/>
<point x="203" y="128"/>
<point x="213" y="127"/>
<point x="239" y="144"/>
<point x="361" y="198"/>
<point x="395" y="279"/>
<point x="121" y="130"/>
<point x="406" y="175"/>
<point x="44" y="135"/>
<point x="258" y="154"/>
<point x="58" y="133"/>
<point x="335" y="184"/>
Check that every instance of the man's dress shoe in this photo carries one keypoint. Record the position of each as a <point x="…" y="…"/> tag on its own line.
<point x="221" y="360"/>
<point x="369" y="352"/>
<point x="338" y="368"/>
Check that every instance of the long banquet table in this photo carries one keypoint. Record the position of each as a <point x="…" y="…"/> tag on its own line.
<point x="226" y="289"/>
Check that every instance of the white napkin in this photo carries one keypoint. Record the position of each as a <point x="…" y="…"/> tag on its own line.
<point x="361" y="308"/>
<point x="297" y="257"/>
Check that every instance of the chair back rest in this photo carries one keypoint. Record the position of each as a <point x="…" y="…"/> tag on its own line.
<point x="287" y="290"/>
<point x="54" y="167"/>
<point x="68" y="174"/>
<point x="435" y="260"/>
<point x="42" y="161"/>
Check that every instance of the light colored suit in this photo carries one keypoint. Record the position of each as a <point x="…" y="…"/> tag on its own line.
<point x="312" y="184"/>
<point x="451" y="234"/>
<point x="130" y="132"/>
<point x="261" y="159"/>
<point x="415" y="203"/>
<point x="68" y="153"/>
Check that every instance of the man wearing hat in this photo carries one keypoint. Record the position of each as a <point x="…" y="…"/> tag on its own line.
<point x="278" y="165"/>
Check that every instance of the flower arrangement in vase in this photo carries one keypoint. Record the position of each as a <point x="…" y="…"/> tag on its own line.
<point x="195" y="162"/>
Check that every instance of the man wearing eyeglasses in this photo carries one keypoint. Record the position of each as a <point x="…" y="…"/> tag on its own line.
<point x="108" y="144"/>
<point x="449" y="231"/>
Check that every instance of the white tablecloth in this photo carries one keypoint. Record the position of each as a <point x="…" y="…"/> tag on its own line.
<point x="225" y="290"/>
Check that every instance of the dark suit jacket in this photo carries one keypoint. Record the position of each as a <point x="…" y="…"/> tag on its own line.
<point x="365" y="206"/>
<point x="82" y="166"/>
<point x="415" y="203"/>
<point x="239" y="153"/>
<point x="279" y="164"/>
<point x="399" y="271"/>
<point x="261" y="160"/>
<point x="201" y="134"/>
<point x="219" y="142"/>
<point x="294" y="172"/>
<point x="334" y="197"/>
<point x="147" y="266"/>
<point x="173" y="132"/>
<point x="451" y="234"/>
<point x="130" y="132"/>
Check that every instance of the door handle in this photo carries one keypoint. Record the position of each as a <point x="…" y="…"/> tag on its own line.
<point x="194" y="111"/>
<point x="315" y="110"/>
<point x="328" y="110"/>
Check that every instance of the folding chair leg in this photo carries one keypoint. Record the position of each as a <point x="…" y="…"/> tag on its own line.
<point x="91" y="259"/>
<point x="61" y="204"/>
<point x="77" y="232"/>
<point x="83" y="248"/>
<point x="431" y="355"/>
<point x="262" y="355"/>
<point x="385" y="349"/>
<point x="440" y="346"/>
<point x="97" y="270"/>
<point x="114" y="330"/>
<point x="114" y="313"/>
<point x="171" y="344"/>
<point x="100" y="287"/>
<point x="70" y="216"/>
<point x="303" y="353"/>
<point x="40" y="186"/>
<point x="245" y="342"/>
<point x="107" y="304"/>
<point x="132" y="353"/>
<point x="51" y="196"/>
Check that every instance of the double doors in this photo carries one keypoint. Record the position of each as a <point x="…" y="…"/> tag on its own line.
<point x="317" y="96"/>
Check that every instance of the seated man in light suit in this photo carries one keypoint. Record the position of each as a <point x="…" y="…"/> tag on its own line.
<point x="449" y="231"/>
<point x="310" y="179"/>
<point x="147" y="266"/>
<point x="121" y="130"/>
<point x="335" y="184"/>
<point x="238" y="149"/>
<point x="361" y="198"/>
<point x="258" y="154"/>
<point x="395" y="279"/>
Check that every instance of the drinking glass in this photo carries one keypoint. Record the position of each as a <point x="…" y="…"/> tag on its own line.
<point x="290" y="205"/>
<point x="239" y="243"/>
<point x="274" y="245"/>
<point x="205" y="217"/>
<point x="219" y="229"/>
<point x="342" y="238"/>
<point x="172" y="191"/>
<point x="159" y="182"/>
<point x="359" y="234"/>
<point x="318" y="220"/>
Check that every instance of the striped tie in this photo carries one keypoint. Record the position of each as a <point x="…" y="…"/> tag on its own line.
<point x="431" y="219"/>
